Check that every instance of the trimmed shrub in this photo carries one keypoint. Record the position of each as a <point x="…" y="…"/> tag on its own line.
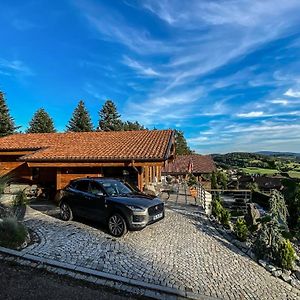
<point x="220" y="213"/>
<point x="286" y="255"/>
<point x="12" y="233"/>
<point x="225" y="217"/>
<point x="241" y="229"/>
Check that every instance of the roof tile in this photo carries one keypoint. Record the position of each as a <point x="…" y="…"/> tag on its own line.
<point x="113" y="145"/>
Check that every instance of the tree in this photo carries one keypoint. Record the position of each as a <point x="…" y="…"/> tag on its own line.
<point x="81" y="120"/>
<point x="41" y="122"/>
<point x="128" y="126"/>
<point x="213" y="180"/>
<point x="182" y="147"/>
<point x="109" y="117"/>
<point x="7" y="124"/>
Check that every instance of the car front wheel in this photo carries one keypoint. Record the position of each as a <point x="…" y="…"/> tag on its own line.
<point x="117" y="225"/>
<point x="66" y="212"/>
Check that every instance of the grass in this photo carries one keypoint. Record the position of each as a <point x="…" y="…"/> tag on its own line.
<point x="255" y="170"/>
<point x="294" y="174"/>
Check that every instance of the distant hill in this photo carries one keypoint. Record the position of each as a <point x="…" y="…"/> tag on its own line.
<point x="279" y="154"/>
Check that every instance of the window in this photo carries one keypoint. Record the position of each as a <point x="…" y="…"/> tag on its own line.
<point x="82" y="186"/>
<point x="96" y="189"/>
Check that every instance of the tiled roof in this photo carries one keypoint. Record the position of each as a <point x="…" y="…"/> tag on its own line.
<point x="92" y="146"/>
<point x="200" y="164"/>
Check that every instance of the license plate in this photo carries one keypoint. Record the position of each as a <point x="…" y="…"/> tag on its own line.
<point x="158" y="216"/>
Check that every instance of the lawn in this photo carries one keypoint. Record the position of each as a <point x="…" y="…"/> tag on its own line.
<point x="294" y="174"/>
<point x="255" y="170"/>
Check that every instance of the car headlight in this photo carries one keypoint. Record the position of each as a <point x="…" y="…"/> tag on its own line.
<point x="135" y="208"/>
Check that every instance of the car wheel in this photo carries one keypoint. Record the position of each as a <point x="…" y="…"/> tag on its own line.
<point x="117" y="225"/>
<point x="66" y="212"/>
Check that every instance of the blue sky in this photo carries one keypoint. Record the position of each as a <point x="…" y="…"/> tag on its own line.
<point x="227" y="73"/>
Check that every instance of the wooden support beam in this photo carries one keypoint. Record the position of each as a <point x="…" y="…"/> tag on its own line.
<point x="58" y="179"/>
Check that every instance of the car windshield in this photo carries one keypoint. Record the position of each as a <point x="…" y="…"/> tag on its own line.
<point x="115" y="188"/>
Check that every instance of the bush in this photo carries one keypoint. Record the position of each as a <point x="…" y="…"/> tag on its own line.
<point x="217" y="208"/>
<point x="12" y="233"/>
<point x="271" y="245"/>
<point x="286" y="255"/>
<point x="241" y="229"/>
<point x="20" y="199"/>
<point x="220" y="213"/>
<point x="225" y="217"/>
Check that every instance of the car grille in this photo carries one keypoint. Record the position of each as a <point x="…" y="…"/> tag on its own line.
<point x="156" y="209"/>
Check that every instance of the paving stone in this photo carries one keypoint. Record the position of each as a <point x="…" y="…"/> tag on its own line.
<point x="183" y="252"/>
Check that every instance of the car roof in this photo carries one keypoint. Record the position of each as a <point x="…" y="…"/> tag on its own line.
<point x="99" y="179"/>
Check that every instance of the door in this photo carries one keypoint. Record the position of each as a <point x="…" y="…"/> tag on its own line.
<point x="96" y="203"/>
<point x="81" y="198"/>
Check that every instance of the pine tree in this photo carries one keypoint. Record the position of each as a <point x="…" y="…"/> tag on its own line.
<point x="110" y="118"/>
<point x="7" y="124"/>
<point x="81" y="120"/>
<point x="41" y="122"/>
<point x="182" y="147"/>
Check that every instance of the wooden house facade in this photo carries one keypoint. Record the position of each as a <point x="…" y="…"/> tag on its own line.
<point x="53" y="159"/>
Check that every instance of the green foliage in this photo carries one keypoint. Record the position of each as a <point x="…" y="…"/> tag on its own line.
<point x="41" y="123"/>
<point x="278" y="208"/>
<point x="214" y="184"/>
<point x="192" y="180"/>
<point x="225" y="217"/>
<point x="110" y="118"/>
<point x="271" y="245"/>
<point x="241" y="229"/>
<point x="286" y="255"/>
<point x="222" y="179"/>
<point x="4" y="181"/>
<point x="217" y="208"/>
<point x="20" y="199"/>
<point x="220" y="213"/>
<point x="128" y="126"/>
<point x="12" y="233"/>
<point x="268" y="241"/>
<point x="253" y="186"/>
<point x="7" y="124"/>
<point x="182" y="147"/>
<point x="80" y="120"/>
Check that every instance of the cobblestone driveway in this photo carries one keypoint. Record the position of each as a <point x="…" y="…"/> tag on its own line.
<point x="183" y="251"/>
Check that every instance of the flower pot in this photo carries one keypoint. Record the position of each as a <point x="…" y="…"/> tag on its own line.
<point x="193" y="192"/>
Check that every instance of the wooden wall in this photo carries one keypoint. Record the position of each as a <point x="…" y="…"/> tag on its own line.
<point x="18" y="170"/>
<point x="65" y="175"/>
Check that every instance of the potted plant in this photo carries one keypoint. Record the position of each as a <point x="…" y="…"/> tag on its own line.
<point x="192" y="183"/>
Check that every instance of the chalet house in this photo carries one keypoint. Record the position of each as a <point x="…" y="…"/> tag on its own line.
<point x="53" y="159"/>
<point x="202" y="166"/>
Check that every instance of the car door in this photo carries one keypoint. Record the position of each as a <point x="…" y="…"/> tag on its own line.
<point x="96" y="204"/>
<point x="82" y="197"/>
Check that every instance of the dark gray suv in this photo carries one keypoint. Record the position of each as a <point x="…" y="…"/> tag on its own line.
<point x="112" y="202"/>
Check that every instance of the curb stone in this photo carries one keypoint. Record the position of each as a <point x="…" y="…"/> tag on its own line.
<point x="90" y="275"/>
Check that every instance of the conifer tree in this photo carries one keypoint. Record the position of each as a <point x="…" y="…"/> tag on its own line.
<point x="41" y="122"/>
<point x="182" y="147"/>
<point x="110" y="118"/>
<point x="127" y="126"/>
<point x="81" y="120"/>
<point x="7" y="124"/>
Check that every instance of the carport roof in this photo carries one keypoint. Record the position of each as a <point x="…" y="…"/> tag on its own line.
<point x="91" y="146"/>
<point x="200" y="164"/>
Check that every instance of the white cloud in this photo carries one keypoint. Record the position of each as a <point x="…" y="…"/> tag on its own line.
<point x="280" y="101"/>
<point x="292" y="93"/>
<point x="252" y="114"/>
<point x="14" y="67"/>
<point x="147" y="71"/>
